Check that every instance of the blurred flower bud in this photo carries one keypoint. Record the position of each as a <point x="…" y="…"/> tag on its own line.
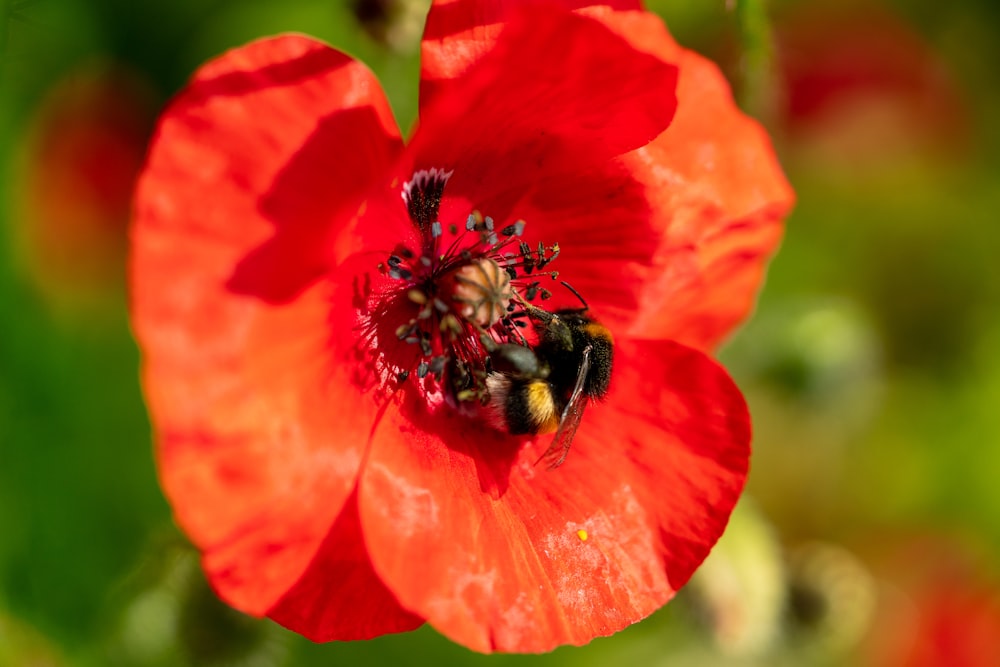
<point x="171" y="617"/>
<point x="739" y="589"/>
<point x="831" y="599"/>
<point x="821" y="354"/>
<point x="396" y="24"/>
<point x="813" y="373"/>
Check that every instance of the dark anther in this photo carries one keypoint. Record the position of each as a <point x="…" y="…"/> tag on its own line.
<point x="401" y="273"/>
<point x="512" y="272"/>
<point x="546" y="294"/>
<point x="402" y="375"/>
<point x="422" y="369"/>
<point x="543" y="262"/>
<point x="513" y="230"/>
<point x="423" y="197"/>
<point x="425" y="347"/>
<point x="437" y="365"/>
<point x="395" y="261"/>
<point x="529" y="259"/>
<point x="532" y="291"/>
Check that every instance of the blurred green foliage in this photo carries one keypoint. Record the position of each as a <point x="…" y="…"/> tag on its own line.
<point x="872" y="366"/>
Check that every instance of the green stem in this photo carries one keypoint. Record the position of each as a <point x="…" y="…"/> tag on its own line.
<point x="5" y="14"/>
<point x="757" y="85"/>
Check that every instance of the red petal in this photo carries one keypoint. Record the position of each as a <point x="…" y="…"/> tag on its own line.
<point x="269" y="148"/>
<point x="487" y="546"/>
<point x="258" y="427"/>
<point x="460" y="32"/>
<point x="558" y="93"/>
<point x="716" y="190"/>
<point x="340" y="598"/>
<point x="602" y="223"/>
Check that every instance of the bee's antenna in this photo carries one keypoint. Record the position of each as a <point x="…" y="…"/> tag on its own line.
<point x="576" y="294"/>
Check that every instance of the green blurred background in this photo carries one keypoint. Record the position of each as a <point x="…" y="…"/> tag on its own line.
<point x="871" y="529"/>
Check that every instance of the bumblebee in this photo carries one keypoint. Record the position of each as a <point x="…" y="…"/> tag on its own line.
<point x="545" y="388"/>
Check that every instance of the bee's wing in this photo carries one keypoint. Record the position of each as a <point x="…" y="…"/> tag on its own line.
<point x="570" y="419"/>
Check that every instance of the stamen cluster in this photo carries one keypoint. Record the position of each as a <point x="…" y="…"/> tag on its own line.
<point x="456" y="300"/>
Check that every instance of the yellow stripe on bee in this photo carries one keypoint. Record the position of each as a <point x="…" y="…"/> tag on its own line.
<point x="596" y="330"/>
<point x="542" y="407"/>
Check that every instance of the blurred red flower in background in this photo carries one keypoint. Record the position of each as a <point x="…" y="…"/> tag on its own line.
<point x="957" y="624"/>
<point x="293" y="276"/>
<point x="862" y="84"/>
<point x="940" y="603"/>
<point x="82" y="152"/>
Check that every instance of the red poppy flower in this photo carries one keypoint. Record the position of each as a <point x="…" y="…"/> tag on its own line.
<point x="315" y="363"/>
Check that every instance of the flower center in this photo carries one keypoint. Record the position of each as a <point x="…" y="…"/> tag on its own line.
<point x="465" y="292"/>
